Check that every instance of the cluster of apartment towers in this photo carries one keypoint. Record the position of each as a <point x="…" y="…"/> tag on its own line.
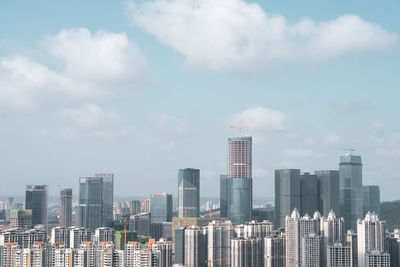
<point x="337" y="201"/>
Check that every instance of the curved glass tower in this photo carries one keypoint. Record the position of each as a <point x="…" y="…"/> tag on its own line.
<point x="350" y="190"/>
<point x="240" y="182"/>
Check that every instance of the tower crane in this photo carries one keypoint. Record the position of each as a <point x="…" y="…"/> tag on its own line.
<point x="240" y="128"/>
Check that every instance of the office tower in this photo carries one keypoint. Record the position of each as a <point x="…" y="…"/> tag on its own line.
<point x="376" y="258"/>
<point x="77" y="235"/>
<point x="135" y="206"/>
<point x="338" y="255"/>
<point x="179" y="245"/>
<point x="310" y="250"/>
<point x="308" y="193"/>
<point x="254" y="229"/>
<point x="196" y="246"/>
<point x="350" y="186"/>
<point x="370" y="236"/>
<point x="24" y="238"/>
<point x="104" y="234"/>
<point x="296" y="228"/>
<point x="107" y="198"/>
<point x="60" y="234"/>
<point x="21" y="219"/>
<point x="328" y="188"/>
<point x="66" y="207"/>
<point x="188" y="193"/>
<point x="240" y="181"/>
<point x="36" y="200"/>
<point x="219" y="243"/>
<point x="351" y="240"/>
<point x="247" y="252"/>
<point x="275" y="250"/>
<point x="371" y="199"/>
<point x="163" y="249"/>
<point x="287" y="194"/>
<point x="223" y="196"/>
<point x="393" y="248"/>
<point x="140" y="223"/>
<point x="90" y="202"/>
<point x="161" y="208"/>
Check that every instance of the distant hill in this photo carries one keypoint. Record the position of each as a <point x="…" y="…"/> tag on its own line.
<point x="390" y="212"/>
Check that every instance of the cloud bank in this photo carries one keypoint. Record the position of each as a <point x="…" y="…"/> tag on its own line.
<point x="235" y="35"/>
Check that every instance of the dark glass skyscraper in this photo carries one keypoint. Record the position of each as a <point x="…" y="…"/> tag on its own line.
<point x="90" y="202"/>
<point x="189" y="192"/>
<point x="240" y="182"/>
<point x="350" y="186"/>
<point x="36" y="200"/>
<point x="223" y="196"/>
<point x="309" y="193"/>
<point x="287" y="194"/>
<point x="161" y="208"/>
<point x="66" y="207"/>
<point x="328" y="187"/>
<point x="107" y="198"/>
<point x="372" y="199"/>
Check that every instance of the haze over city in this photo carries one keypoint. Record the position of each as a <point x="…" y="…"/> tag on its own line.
<point x="144" y="88"/>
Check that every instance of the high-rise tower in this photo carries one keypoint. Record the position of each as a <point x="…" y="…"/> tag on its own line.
<point x="189" y="192"/>
<point x="90" y="198"/>
<point x="240" y="182"/>
<point x="66" y="207"/>
<point x="351" y="191"/>
<point x="36" y="200"/>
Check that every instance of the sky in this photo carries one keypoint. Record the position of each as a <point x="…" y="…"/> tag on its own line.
<point x="144" y="88"/>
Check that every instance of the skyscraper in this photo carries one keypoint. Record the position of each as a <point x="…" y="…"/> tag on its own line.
<point x="223" y="196"/>
<point x="287" y="194"/>
<point x="309" y="193"/>
<point x="246" y="252"/>
<point x="332" y="231"/>
<point x="350" y="186"/>
<point x="240" y="193"/>
<point x="196" y="246"/>
<point x="371" y="199"/>
<point x="328" y="187"/>
<point x="66" y="207"/>
<point x="161" y="208"/>
<point x="36" y="200"/>
<point x="219" y="243"/>
<point x="188" y="192"/>
<point x="90" y="202"/>
<point x="107" y="201"/>
<point x="275" y="250"/>
<point x="370" y="237"/>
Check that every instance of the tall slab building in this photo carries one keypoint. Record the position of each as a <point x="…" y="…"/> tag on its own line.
<point x="189" y="193"/>
<point x="36" y="200"/>
<point x="287" y="194"/>
<point x="371" y="199"/>
<point x="328" y="187"/>
<point x="351" y="191"/>
<point x="66" y="207"/>
<point x="107" y="214"/>
<point x="161" y="208"/>
<point x="240" y="182"/>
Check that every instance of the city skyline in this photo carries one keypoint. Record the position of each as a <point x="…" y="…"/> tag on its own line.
<point x="168" y="100"/>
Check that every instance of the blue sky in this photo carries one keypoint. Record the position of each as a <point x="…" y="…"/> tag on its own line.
<point x="144" y="88"/>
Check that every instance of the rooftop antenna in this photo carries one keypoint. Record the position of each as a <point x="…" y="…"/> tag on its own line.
<point x="349" y="151"/>
<point x="240" y="128"/>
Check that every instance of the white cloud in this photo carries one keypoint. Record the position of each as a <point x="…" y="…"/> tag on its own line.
<point x="91" y="121"/>
<point x="93" y="66"/>
<point x="235" y="35"/>
<point x="388" y="152"/>
<point x="171" y="125"/>
<point x="332" y="139"/>
<point x="261" y="118"/>
<point x="300" y="153"/>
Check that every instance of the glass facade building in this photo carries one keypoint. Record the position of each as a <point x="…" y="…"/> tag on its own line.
<point x="107" y="215"/>
<point x="223" y="196"/>
<point x="309" y="193"/>
<point x="66" y="207"/>
<point x="350" y="186"/>
<point x="287" y="194"/>
<point x="90" y="202"/>
<point x="240" y="182"/>
<point x="328" y="187"/>
<point x="161" y="208"/>
<point x="36" y="200"/>
<point x="189" y="193"/>
<point x="371" y="199"/>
